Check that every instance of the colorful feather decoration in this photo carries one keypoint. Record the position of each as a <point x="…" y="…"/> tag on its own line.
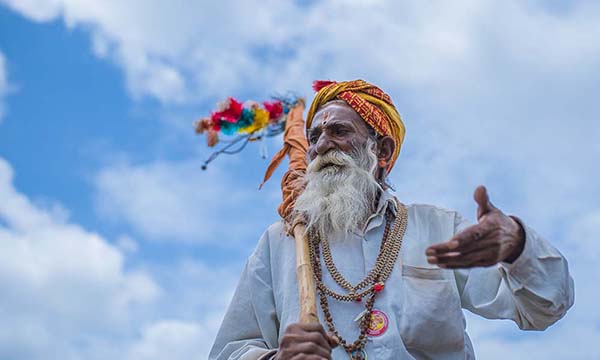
<point x="250" y="121"/>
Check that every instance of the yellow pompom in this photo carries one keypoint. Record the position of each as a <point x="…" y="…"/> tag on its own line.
<point x="261" y="119"/>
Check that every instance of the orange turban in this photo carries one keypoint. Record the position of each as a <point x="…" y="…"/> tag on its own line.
<point x="373" y="105"/>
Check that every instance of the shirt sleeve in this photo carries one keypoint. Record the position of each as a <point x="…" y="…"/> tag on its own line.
<point x="249" y="330"/>
<point x="535" y="291"/>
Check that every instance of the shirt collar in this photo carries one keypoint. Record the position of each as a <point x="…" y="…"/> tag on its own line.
<point x="386" y="200"/>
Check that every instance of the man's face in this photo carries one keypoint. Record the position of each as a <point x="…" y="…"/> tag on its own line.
<point x="341" y="188"/>
<point x="336" y="126"/>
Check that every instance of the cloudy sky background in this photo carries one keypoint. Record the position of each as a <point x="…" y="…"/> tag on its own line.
<point x="115" y="245"/>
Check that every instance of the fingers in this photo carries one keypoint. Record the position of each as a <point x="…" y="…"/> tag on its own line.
<point x="444" y="247"/>
<point x="482" y="246"/>
<point x="315" y="326"/>
<point x="310" y="348"/>
<point x="466" y="248"/>
<point x="313" y="333"/>
<point x="464" y="240"/>
<point x="483" y="201"/>
<point x="485" y="257"/>
<point x="317" y="339"/>
<point x="474" y="237"/>
<point x="309" y="340"/>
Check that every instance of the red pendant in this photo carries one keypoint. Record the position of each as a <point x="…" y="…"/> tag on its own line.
<point x="378" y="287"/>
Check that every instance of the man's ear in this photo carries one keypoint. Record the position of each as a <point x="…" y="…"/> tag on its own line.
<point x="385" y="150"/>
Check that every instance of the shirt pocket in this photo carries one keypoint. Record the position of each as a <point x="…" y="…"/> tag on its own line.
<point x="431" y="317"/>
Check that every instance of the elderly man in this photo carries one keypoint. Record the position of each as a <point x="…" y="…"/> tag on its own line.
<point x="392" y="279"/>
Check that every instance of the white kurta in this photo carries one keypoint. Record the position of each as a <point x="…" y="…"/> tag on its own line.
<point x="423" y="303"/>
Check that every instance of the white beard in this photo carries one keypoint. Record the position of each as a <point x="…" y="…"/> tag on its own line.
<point x="340" y="191"/>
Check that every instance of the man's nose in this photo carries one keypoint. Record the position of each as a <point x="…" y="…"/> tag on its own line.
<point x="324" y="144"/>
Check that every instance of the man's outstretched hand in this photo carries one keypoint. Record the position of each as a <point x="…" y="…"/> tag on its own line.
<point x="496" y="237"/>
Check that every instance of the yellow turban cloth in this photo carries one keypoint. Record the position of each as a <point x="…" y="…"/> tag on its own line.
<point x="373" y="105"/>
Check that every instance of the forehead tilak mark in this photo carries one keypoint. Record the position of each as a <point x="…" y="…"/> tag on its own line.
<point x="325" y="117"/>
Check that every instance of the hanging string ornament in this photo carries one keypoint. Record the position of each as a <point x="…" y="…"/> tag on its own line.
<point x="235" y="124"/>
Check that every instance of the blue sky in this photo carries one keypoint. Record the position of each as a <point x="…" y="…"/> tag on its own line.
<point x="113" y="242"/>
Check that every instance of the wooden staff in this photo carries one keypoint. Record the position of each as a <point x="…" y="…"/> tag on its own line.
<point x="295" y="145"/>
<point x="306" y="284"/>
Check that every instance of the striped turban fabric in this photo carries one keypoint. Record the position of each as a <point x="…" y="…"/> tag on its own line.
<point x="373" y="105"/>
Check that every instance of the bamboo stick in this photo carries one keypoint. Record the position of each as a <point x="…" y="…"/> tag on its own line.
<point x="306" y="284"/>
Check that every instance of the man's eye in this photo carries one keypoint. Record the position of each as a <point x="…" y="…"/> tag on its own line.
<point x="313" y="139"/>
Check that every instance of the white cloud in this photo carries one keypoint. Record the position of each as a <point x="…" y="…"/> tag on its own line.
<point x="201" y="290"/>
<point x="60" y="283"/>
<point x="572" y="341"/>
<point x="188" y="329"/>
<point x="37" y="10"/>
<point x="155" y="198"/>
<point x="127" y="244"/>
<point x="69" y="294"/>
<point x="168" y="48"/>
<point x="179" y="51"/>
<point x="177" y="201"/>
<point x="171" y="339"/>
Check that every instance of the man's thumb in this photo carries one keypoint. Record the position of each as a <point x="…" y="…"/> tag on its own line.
<point x="482" y="199"/>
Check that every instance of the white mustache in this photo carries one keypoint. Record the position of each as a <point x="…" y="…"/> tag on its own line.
<point x="333" y="157"/>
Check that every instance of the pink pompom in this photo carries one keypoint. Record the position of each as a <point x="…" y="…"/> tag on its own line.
<point x="275" y="109"/>
<point x="319" y="84"/>
<point x="230" y="113"/>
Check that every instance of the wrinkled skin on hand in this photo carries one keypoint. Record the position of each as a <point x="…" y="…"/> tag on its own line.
<point x="306" y="342"/>
<point x="496" y="237"/>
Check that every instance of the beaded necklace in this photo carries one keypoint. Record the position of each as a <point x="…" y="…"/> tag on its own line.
<point x="367" y="288"/>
